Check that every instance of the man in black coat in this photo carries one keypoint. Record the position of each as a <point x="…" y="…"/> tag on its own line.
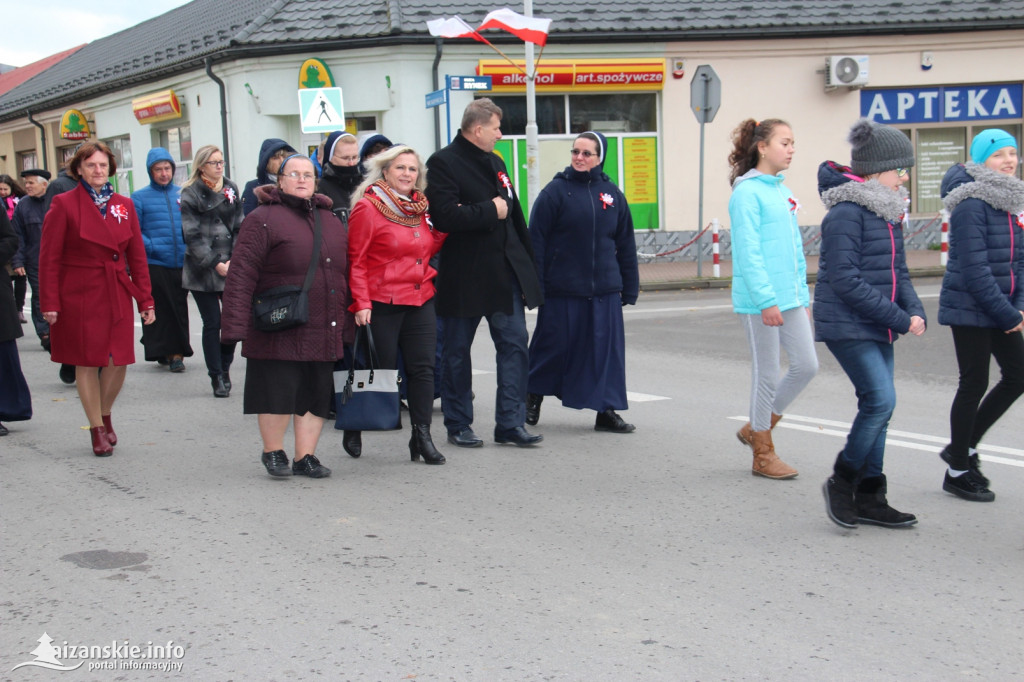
<point x="487" y="270"/>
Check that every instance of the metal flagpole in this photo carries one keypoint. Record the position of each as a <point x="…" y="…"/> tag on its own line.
<point x="532" y="146"/>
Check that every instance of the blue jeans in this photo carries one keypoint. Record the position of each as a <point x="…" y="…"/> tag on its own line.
<point x="510" y="343"/>
<point x="869" y="364"/>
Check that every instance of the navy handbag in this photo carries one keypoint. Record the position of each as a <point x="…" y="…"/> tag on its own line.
<point x="367" y="399"/>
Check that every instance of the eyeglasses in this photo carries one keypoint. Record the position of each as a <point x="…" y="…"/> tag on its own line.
<point x="296" y="175"/>
<point x="901" y="172"/>
<point x="583" y="152"/>
<point x="218" y="164"/>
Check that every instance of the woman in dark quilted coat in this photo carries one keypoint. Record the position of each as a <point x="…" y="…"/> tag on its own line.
<point x="982" y="299"/>
<point x="289" y="373"/>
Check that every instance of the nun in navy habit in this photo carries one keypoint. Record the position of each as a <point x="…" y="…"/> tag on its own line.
<point x="15" y="399"/>
<point x="583" y="241"/>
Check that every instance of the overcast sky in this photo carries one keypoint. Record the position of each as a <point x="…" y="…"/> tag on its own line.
<point x="38" y="28"/>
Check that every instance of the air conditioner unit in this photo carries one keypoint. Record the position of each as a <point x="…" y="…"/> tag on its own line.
<point x="846" y="70"/>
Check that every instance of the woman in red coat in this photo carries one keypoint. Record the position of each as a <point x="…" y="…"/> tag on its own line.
<point x="90" y="235"/>
<point x="390" y="243"/>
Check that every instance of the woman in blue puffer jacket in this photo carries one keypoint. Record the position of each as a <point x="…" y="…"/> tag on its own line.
<point x="863" y="301"/>
<point x="982" y="299"/>
<point x="158" y="206"/>
<point x="585" y="250"/>
<point x="769" y="283"/>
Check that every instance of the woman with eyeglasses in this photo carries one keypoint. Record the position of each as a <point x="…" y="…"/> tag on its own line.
<point x="211" y="215"/>
<point x="289" y="374"/>
<point x="585" y="250"/>
<point x="863" y="302"/>
<point x="982" y="300"/>
<point x="769" y="283"/>
<point x="391" y="242"/>
<point x="92" y="263"/>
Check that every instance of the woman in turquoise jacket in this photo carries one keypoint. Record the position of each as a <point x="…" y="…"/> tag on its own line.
<point x="769" y="283"/>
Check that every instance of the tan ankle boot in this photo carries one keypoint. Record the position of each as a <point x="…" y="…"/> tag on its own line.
<point x="744" y="433"/>
<point x="766" y="462"/>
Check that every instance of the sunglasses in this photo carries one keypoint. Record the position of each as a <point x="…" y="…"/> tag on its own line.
<point x="901" y="172"/>
<point x="583" y="152"/>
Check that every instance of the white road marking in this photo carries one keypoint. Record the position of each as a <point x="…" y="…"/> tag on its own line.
<point x="644" y="397"/>
<point x="828" y="427"/>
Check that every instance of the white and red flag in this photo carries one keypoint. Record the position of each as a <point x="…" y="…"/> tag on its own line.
<point x="453" y="28"/>
<point x="531" y="29"/>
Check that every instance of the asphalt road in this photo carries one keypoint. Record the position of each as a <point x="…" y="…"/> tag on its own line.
<point x="649" y="556"/>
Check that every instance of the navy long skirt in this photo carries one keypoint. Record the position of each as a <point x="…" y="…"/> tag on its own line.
<point x="15" y="399"/>
<point x="578" y="352"/>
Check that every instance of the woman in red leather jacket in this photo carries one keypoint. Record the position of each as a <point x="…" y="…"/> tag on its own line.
<point x="391" y="242"/>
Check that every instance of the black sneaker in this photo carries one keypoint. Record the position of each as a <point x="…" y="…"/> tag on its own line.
<point x="973" y="462"/>
<point x="310" y="466"/>
<point x="609" y="420"/>
<point x="969" y="486"/>
<point x="276" y="463"/>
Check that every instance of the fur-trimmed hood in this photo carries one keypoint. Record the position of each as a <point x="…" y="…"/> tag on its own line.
<point x="837" y="183"/>
<point x="976" y="181"/>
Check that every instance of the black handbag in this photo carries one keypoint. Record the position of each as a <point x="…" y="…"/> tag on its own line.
<point x="287" y="306"/>
<point x="367" y="399"/>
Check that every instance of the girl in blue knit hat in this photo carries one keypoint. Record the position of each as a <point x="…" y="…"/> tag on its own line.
<point x="982" y="299"/>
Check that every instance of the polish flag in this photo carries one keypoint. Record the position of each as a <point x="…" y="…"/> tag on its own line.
<point x="453" y="28"/>
<point x="530" y="29"/>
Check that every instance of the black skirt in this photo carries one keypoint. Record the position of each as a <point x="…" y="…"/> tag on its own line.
<point x="15" y="398"/>
<point x="288" y="387"/>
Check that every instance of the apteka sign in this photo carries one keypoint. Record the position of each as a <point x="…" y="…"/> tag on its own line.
<point x="942" y="104"/>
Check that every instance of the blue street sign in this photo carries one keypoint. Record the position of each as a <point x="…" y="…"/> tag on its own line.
<point x="437" y="98"/>
<point x="469" y="82"/>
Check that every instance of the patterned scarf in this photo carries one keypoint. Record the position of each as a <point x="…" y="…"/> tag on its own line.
<point x="215" y="186"/>
<point x="396" y="207"/>
<point x="100" y="198"/>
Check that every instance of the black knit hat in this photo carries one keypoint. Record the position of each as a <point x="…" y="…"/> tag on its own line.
<point x="878" y="148"/>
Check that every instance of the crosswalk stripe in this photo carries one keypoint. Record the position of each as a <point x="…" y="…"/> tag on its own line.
<point x="842" y="429"/>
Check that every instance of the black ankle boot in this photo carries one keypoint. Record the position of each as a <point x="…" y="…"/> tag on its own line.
<point x="352" y="441"/>
<point x="219" y="389"/>
<point x="873" y="507"/>
<point x="533" y="401"/>
<point x="839" y="495"/>
<point x="421" y="445"/>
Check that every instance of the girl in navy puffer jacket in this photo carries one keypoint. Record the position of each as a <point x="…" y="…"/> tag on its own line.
<point x="863" y="301"/>
<point x="982" y="299"/>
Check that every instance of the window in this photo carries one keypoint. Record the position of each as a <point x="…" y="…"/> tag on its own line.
<point x="609" y="113"/>
<point x="178" y="141"/>
<point x="936" y="150"/>
<point x="27" y="160"/>
<point x="121" y="148"/>
<point x="550" y="114"/>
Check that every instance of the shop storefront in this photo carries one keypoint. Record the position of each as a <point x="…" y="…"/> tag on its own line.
<point x="617" y="97"/>
<point x="941" y="122"/>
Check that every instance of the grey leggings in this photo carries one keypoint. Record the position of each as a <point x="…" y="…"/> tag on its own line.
<point x="771" y="390"/>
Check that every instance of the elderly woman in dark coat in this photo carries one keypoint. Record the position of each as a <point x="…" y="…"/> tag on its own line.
<point x="982" y="300"/>
<point x="289" y="375"/>
<point x="15" y="399"/>
<point x="211" y="215"/>
<point x="583" y="242"/>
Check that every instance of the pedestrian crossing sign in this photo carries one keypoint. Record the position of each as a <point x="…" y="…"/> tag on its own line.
<point x="321" y="110"/>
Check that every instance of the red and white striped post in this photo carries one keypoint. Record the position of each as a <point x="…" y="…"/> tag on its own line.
<point x="944" y="256"/>
<point x="716" y="266"/>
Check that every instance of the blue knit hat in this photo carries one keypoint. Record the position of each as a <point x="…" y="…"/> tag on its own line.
<point x="987" y="142"/>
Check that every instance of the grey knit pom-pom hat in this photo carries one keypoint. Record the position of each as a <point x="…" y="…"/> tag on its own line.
<point x="878" y="148"/>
